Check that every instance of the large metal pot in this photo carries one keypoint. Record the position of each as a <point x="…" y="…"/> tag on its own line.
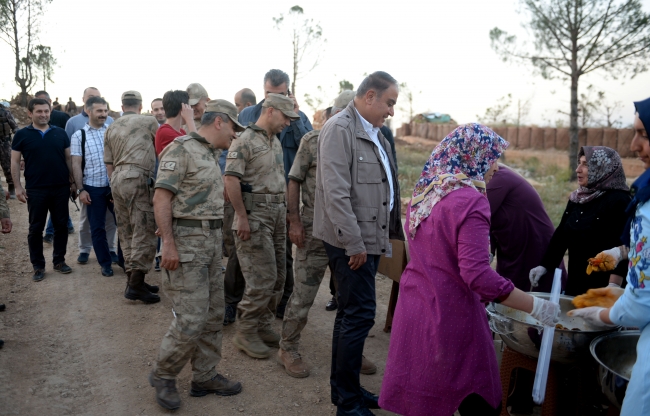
<point x="523" y="333"/>
<point x="616" y="355"/>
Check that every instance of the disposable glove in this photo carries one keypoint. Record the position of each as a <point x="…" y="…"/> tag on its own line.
<point x="536" y="274"/>
<point x="607" y="260"/>
<point x="591" y="315"/>
<point x="548" y="313"/>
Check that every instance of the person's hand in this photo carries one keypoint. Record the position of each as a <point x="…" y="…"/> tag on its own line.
<point x="357" y="260"/>
<point x="22" y="165"/>
<point x="7" y="195"/>
<point x="157" y="232"/>
<point x="187" y="114"/>
<point x="591" y="315"/>
<point x="297" y="233"/>
<point x="170" y="259"/>
<point x="607" y="260"/>
<point x="21" y="194"/>
<point x="536" y="274"/>
<point x="84" y="197"/>
<point x="73" y="190"/>
<point x="296" y="107"/>
<point x="244" y="229"/>
<point x="548" y="313"/>
<point x="6" y="225"/>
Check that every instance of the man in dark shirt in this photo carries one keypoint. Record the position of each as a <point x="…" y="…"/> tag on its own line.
<point x="48" y="179"/>
<point x="57" y="118"/>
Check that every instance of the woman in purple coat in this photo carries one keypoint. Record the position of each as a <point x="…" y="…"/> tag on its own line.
<point x="441" y="356"/>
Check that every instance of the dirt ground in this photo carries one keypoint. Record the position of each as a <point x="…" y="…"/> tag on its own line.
<point x="75" y="346"/>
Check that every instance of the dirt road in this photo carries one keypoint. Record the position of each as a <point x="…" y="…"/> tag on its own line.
<point x="75" y="346"/>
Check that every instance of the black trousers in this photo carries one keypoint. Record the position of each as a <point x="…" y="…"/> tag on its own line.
<point x="475" y="405"/>
<point x="354" y="318"/>
<point x="233" y="281"/>
<point x="40" y="201"/>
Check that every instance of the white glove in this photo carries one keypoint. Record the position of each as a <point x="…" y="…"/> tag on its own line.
<point x="536" y="274"/>
<point x="548" y="313"/>
<point x="591" y="315"/>
<point x="613" y="285"/>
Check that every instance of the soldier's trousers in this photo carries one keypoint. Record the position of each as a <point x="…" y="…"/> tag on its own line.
<point x="262" y="260"/>
<point x="233" y="281"/>
<point x="196" y="292"/>
<point x="133" y="202"/>
<point x="5" y="158"/>
<point x="309" y="267"/>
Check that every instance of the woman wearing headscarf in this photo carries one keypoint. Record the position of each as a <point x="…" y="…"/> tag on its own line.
<point x="593" y="221"/>
<point x="632" y="309"/>
<point x="441" y="356"/>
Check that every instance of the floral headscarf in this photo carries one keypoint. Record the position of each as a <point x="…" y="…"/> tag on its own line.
<point x="459" y="161"/>
<point x="605" y="173"/>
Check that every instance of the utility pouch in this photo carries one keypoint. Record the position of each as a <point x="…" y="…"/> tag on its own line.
<point x="151" y="182"/>
<point x="248" y="201"/>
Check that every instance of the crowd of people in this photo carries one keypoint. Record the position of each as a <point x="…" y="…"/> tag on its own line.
<point x="200" y="177"/>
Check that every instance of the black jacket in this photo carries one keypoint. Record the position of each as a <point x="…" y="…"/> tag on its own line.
<point x="59" y="118"/>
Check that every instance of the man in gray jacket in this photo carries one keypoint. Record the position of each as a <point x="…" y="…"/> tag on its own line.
<point x="357" y="210"/>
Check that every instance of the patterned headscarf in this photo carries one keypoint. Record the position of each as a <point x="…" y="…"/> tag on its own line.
<point x="459" y="161"/>
<point x="605" y="173"/>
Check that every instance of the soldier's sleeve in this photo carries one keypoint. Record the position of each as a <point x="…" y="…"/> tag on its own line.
<point x="4" y="207"/>
<point x="108" y="153"/>
<point x="172" y="167"/>
<point x="75" y="144"/>
<point x="237" y="156"/>
<point x="302" y="162"/>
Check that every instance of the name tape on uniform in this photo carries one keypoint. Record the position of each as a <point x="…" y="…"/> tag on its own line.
<point x="168" y="165"/>
<point x="232" y="155"/>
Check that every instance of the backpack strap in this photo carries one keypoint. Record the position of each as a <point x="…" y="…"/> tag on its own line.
<point x="83" y="151"/>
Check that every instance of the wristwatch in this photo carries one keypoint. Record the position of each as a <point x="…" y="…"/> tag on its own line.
<point x="79" y="191"/>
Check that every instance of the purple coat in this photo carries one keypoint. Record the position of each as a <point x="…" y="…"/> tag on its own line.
<point x="441" y="348"/>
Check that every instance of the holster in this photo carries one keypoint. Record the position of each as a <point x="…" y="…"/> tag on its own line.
<point x="247" y="197"/>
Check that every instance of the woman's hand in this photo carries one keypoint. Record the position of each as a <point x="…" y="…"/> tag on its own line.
<point x="592" y="315"/>
<point x="536" y="274"/>
<point x="548" y="313"/>
<point x="607" y="260"/>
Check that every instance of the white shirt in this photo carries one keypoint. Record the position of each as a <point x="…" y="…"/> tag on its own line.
<point x="95" y="170"/>
<point x="373" y="132"/>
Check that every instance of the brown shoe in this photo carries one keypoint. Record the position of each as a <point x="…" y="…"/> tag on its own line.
<point x="269" y="337"/>
<point x="218" y="385"/>
<point x="252" y="345"/>
<point x="367" y="366"/>
<point x="293" y="364"/>
<point x="166" y="393"/>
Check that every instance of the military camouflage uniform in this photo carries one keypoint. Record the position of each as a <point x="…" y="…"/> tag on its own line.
<point x="258" y="161"/>
<point x="189" y="169"/>
<point x="7" y="127"/>
<point x="4" y="207"/>
<point x="129" y="147"/>
<point x="311" y="260"/>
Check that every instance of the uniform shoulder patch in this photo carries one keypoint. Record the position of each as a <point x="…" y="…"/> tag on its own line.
<point x="182" y="139"/>
<point x="311" y="135"/>
<point x="168" y="166"/>
<point x="232" y="155"/>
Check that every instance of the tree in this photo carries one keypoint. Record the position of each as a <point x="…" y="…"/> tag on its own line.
<point x="572" y="38"/>
<point x="306" y="41"/>
<point x="499" y="113"/>
<point x="315" y="101"/>
<point x="407" y="94"/>
<point x="44" y="62"/>
<point x="19" y="27"/>
<point x="345" y="85"/>
<point x="523" y="108"/>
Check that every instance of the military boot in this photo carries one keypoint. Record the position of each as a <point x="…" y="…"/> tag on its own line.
<point x="166" y="393"/>
<point x="218" y="385"/>
<point x="251" y="344"/>
<point x="293" y="364"/>
<point x="269" y="337"/>
<point x="151" y="288"/>
<point x="136" y="290"/>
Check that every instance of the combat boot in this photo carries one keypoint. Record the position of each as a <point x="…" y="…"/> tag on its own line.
<point x="293" y="364"/>
<point x="12" y="191"/>
<point x="166" y="393"/>
<point x="218" y="385"/>
<point x="252" y="345"/>
<point x="269" y="337"/>
<point x="136" y="290"/>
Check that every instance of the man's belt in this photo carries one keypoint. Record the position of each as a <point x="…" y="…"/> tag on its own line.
<point x="268" y="198"/>
<point x="129" y="166"/>
<point x="214" y="224"/>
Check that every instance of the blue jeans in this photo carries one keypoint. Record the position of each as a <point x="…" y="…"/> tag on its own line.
<point x="97" y="219"/>
<point x="354" y="318"/>
<point x="50" y="228"/>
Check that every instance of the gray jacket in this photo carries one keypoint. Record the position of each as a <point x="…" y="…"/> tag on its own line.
<point x="352" y="207"/>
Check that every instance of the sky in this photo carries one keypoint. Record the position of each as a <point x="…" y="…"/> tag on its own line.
<point x="440" y="49"/>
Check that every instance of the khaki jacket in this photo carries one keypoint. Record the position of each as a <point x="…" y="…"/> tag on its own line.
<point x="352" y="207"/>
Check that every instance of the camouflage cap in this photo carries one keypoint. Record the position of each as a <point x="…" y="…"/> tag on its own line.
<point x="131" y="95"/>
<point x="344" y="99"/>
<point x="196" y="92"/>
<point x="229" y="109"/>
<point x="282" y="103"/>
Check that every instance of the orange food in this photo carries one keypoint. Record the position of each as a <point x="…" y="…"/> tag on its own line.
<point x="601" y="263"/>
<point x="603" y="297"/>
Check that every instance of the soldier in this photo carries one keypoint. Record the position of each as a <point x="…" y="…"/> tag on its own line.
<point x="189" y="212"/>
<point x="198" y="99"/>
<point x="5" y="223"/>
<point x="130" y="159"/>
<point x="255" y="185"/>
<point x="8" y="126"/>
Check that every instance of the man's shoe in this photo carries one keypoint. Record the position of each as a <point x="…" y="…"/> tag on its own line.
<point x="83" y="258"/>
<point x="157" y="266"/>
<point x="108" y="272"/>
<point x="48" y="238"/>
<point x="357" y="411"/>
<point x="293" y="364"/>
<point x="252" y="345"/>
<point x="39" y="274"/>
<point x="269" y="337"/>
<point x="218" y="385"/>
<point x="151" y="288"/>
<point x="279" y="312"/>
<point x="62" y="268"/>
<point x="166" y="393"/>
<point x="114" y="258"/>
<point x="367" y="366"/>
<point x="332" y="304"/>
<point x="70" y="230"/>
<point x="136" y="290"/>
<point x="2" y="307"/>
<point x="230" y="315"/>
<point x="370" y="400"/>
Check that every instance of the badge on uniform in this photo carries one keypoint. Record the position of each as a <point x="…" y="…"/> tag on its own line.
<point x="168" y="166"/>
<point x="232" y="155"/>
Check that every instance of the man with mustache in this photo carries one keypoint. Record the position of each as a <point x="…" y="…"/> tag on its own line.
<point x="94" y="190"/>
